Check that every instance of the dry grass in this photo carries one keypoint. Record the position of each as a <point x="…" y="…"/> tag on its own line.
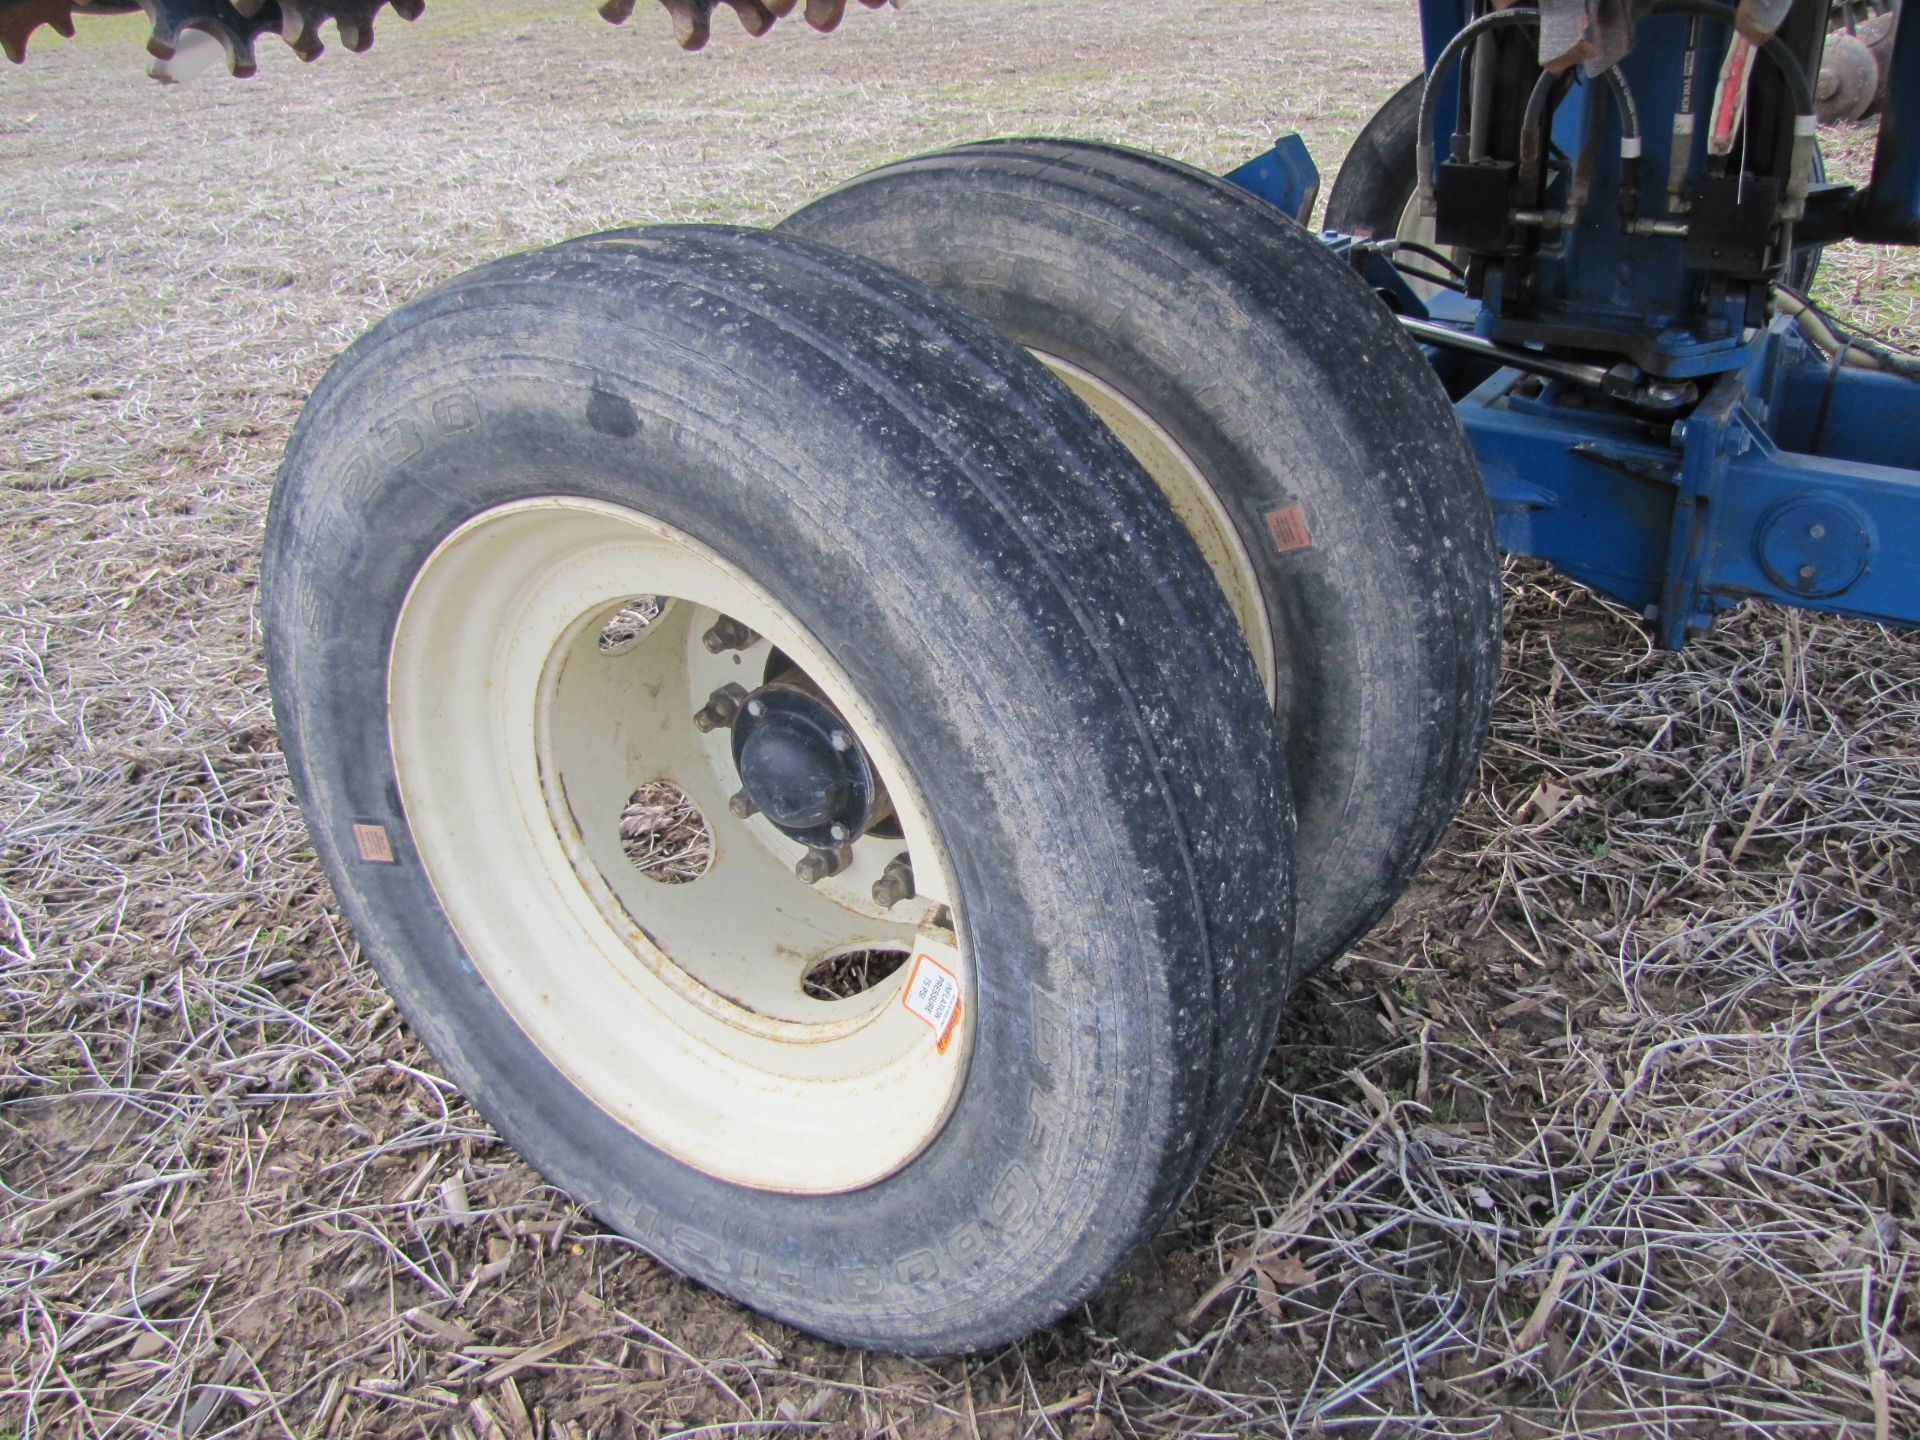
<point x="664" y="835"/>
<point x="853" y="973"/>
<point x="1612" y="1128"/>
<point x="1639" y="1149"/>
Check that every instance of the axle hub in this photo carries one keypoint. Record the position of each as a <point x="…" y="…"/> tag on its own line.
<point x="803" y="768"/>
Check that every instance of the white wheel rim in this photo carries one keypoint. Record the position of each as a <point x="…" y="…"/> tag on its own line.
<point x="677" y="1009"/>
<point x="1421" y="230"/>
<point x="1194" y="500"/>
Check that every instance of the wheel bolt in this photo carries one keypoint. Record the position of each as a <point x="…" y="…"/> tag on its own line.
<point x="721" y="709"/>
<point x="838" y="831"/>
<point x="841" y="741"/>
<point x="895" y="883"/>
<point x="756" y="708"/>
<point x="741" y="806"/>
<point x="817" y="864"/>
<point x="726" y="633"/>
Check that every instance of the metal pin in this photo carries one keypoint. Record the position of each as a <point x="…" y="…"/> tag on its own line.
<point x="818" y="864"/>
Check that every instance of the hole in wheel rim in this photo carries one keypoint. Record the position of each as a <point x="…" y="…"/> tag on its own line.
<point x="628" y="625"/>
<point x="663" y="834"/>
<point x="855" y="972"/>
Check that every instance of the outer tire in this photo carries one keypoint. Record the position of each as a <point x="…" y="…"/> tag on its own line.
<point x="1312" y="419"/>
<point x="1003" y="587"/>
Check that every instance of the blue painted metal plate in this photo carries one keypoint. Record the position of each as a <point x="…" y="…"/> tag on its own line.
<point x="1285" y="177"/>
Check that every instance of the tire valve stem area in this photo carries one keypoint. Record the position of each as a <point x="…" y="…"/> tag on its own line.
<point x="803" y="769"/>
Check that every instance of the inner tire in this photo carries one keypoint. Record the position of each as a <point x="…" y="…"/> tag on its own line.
<point x="1376" y="180"/>
<point x="1314" y="426"/>
<point x="999" y="606"/>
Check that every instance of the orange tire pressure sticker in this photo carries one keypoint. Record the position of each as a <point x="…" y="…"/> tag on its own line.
<point x="1288" y="527"/>
<point x="933" y="993"/>
<point x="373" y="845"/>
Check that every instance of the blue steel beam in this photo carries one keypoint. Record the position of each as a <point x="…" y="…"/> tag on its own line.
<point x="1685" y="521"/>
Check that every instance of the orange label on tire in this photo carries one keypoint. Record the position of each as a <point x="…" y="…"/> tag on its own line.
<point x="933" y="993"/>
<point x="1288" y="527"/>
<point x="373" y="845"/>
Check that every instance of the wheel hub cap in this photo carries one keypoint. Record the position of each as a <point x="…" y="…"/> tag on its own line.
<point x="802" y="767"/>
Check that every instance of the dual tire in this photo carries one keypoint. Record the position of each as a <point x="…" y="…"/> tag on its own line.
<point x="883" y="504"/>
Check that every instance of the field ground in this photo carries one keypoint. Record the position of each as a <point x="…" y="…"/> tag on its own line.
<point x="1611" y="1129"/>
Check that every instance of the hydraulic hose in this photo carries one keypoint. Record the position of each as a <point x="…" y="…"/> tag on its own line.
<point x="1449" y="56"/>
<point x="1800" y="166"/>
<point x="1430" y="95"/>
<point x="1841" y="342"/>
<point x="1776" y="49"/>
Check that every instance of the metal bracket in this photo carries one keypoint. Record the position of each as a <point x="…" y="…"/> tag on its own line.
<point x="1285" y="177"/>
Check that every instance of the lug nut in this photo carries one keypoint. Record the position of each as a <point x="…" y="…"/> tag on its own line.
<point x="721" y="709"/>
<point x="838" y="831"/>
<point x="756" y="708"/>
<point x="741" y="806"/>
<point x="817" y="864"/>
<point x="895" y="883"/>
<point x="726" y="633"/>
<point x="841" y="741"/>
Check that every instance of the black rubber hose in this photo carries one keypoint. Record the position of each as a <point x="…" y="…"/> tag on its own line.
<point x="1545" y="96"/>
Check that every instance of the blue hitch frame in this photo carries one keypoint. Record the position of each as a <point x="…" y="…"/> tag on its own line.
<point x="1791" y="479"/>
<point x="1787" y="482"/>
